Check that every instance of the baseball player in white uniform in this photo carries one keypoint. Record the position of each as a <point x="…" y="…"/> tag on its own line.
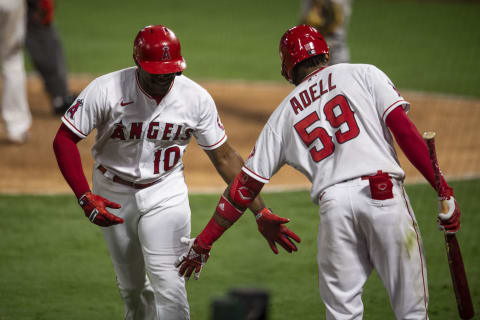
<point x="145" y="116"/>
<point x="14" y="105"/>
<point x="334" y="128"/>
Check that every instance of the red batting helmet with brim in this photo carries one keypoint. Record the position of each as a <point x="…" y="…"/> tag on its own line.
<point x="157" y="50"/>
<point x="300" y="43"/>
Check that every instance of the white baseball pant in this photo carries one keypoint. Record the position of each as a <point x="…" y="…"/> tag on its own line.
<point x="357" y="234"/>
<point x="145" y="247"/>
<point x="14" y="106"/>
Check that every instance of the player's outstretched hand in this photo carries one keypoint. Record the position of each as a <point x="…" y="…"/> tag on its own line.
<point x="449" y="215"/>
<point x="194" y="259"/>
<point x="273" y="228"/>
<point x="95" y="210"/>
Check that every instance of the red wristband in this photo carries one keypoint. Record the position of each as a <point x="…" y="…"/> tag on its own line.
<point x="210" y="233"/>
<point x="227" y="210"/>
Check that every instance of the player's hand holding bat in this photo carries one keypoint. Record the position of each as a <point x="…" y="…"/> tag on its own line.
<point x="194" y="259"/>
<point x="273" y="229"/>
<point x="95" y="210"/>
<point x="449" y="215"/>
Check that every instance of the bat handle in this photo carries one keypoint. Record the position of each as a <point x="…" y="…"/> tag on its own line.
<point x="429" y="138"/>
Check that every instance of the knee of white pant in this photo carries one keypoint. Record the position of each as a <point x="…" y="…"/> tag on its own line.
<point x="341" y="291"/>
<point x="173" y="312"/>
<point x="139" y="303"/>
<point x="169" y="286"/>
<point x="131" y="276"/>
<point x="342" y="307"/>
<point x="171" y="298"/>
<point x="172" y="304"/>
<point x="170" y="292"/>
<point x="133" y="297"/>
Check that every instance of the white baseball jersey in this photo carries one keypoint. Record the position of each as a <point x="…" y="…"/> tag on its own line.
<point x="138" y="139"/>
<point x="331" y="128"/>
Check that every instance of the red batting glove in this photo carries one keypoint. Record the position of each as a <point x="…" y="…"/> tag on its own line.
<point x="449" y="220"/>
<point x="95" y="210"/>
<point x="273" y="230"/>
<point x="194" y="259"/>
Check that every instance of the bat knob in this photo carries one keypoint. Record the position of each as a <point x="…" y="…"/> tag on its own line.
<point x="428" y="135"/>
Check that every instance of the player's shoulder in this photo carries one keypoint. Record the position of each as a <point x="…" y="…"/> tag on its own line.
<point x="122" y="75"/>
<point x="188" y="83"/>
<point x="111" y="85"/>
<point x="356" y="73"/>
<point x="352" y="68"/>
<point x="189" y="87"/>
<point x="365" y="68"/>
<point x="282" y="112"/>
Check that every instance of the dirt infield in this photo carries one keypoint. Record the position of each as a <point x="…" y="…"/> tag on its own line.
<point x="244" y="108"/>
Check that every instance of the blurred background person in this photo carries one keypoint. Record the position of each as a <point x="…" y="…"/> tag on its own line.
<point x="14" y="105"/>
<point x="45" y="49"/>
<point x="331" y="18"/>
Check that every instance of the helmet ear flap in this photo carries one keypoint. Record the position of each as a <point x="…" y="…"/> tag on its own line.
<point x="285" y="72"/>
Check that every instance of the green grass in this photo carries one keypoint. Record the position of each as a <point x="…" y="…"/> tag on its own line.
<point x="423" y="45"/>
<point x="220" y="39"/>
<point x="54" y="264"/>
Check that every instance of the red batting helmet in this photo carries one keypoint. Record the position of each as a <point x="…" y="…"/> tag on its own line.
<point x="297" y="44"/>
<point x="157" y="50"/>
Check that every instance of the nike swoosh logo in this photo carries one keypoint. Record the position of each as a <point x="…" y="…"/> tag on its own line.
<point x="123" y="104"/>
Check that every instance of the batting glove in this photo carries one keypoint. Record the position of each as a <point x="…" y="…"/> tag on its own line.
<point x="44" y="12"/>
<point x="194" y="259"/>
<point x="273" y="229"/>
<point x="449" y="215"/>
<point x="95" y="210"/>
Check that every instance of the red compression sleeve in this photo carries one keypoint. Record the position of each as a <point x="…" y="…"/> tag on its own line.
<point x="69" y="161"/>
<point x="412" y="144"/>
<point x="210" y="233"/>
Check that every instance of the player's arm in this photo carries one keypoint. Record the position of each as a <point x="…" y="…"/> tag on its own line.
<point x="70" y="164"/>
<point x="234" y="201"/>
<point x="240" y="194"/>
<point x="412" y="144"/>
<point x="228" y="164"/>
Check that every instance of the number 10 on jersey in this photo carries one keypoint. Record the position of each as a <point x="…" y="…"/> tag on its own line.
<point x="170" y="157"/>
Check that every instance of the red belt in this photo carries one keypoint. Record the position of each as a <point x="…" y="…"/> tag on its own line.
<point x="379" y="173"/>
<point x="134" y="185"/>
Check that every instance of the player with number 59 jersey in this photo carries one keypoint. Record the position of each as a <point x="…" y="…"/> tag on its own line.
<point x="331" y="128"/>
<point x="337" y="128"/>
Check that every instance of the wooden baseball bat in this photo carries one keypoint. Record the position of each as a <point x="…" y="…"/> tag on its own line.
<point x="454" y="255"/>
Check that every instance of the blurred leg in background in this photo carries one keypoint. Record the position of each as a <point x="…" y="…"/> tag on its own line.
<point x="45" y="49"/>
<point x="14" y="106"/>
<point x="331" y="18"/>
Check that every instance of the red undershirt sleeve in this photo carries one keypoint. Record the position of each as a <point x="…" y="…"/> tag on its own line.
<point x="69" y="161"/>
<point x="412" y="144"/>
